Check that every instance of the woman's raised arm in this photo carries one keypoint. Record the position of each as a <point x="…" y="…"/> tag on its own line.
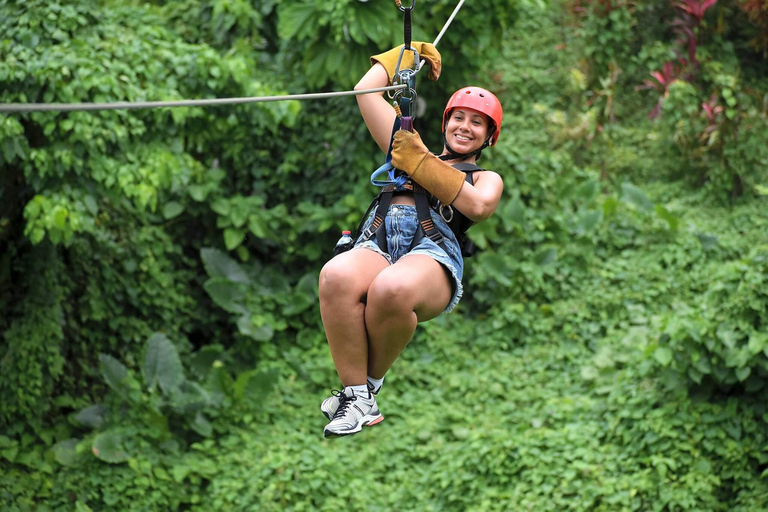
<point x="378" y="114"/>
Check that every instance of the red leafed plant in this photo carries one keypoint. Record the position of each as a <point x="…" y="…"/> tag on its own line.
<point x="693" y="12"/>
<point x="711" y="109"/>
<point x="714" y="115"/>
<point x="696" y="8"/>
<point x="669" y="73"/>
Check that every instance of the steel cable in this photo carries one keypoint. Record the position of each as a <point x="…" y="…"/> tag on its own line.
<point x="120" y="105"/>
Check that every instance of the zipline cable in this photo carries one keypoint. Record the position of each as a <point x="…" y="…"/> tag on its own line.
<point x="120" y="105"/>
<point x="447" y="24"/>
<point x="69" y="107"/>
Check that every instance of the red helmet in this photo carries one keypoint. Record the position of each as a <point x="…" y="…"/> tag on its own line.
<point x="478" y="99"/>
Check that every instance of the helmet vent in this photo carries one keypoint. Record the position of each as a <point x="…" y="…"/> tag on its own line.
<point x="482" y="95"/>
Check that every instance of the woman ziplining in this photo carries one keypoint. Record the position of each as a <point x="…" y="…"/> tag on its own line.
<point x="406" y="266"/>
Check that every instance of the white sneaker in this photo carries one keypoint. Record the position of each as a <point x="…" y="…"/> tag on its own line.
<point x="331" y="403"/>
<point x="354" y="412"/>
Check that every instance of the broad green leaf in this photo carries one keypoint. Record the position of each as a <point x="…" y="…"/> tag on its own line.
<point x="743" y="373"/>
<point x="190" y="397"/>
<point x="238" y="214"/>
<point x="297" y="303"/>
<point x="225" y="294"/>
<point x="172" y="209"/>
<point x="201" y="425"/>
<point x="233" y="238"/>
<point x="198" y="192"/>
<point x="203" y="360"/>
<point x="92" y="416"/>
<point x="497" y="268"/>
<point x="664" y="214"/>
<point x="589" y="372"/>
<point x="293" y="17"/>
<point x="663" y="355"/>
<point x="114" y="373"/>
<point x="255" y="383"/>
<point x="220" y="206"/>
<point x="636" y="196"/>
<point x="259" y="333"/>
<point x="65" y="452"/>
<point x="589" y="220"/>
<point x="218" y="264"/>
<point x="108" y="446"/>
<point x="91" y="204"/>
<point x="60" y="216"/>
<point x="707" y="240"/>
<point x="610" y="206"/>
<point x="757" y="342"/>
<point x="727" y="335"/>
<point x="307" y="285"/>
<point x="162" y="364"/>
<point x="516" y="211"/>
<point x="545" y="256"/>
<point x="9" y="453"/>
<point x="587" y="190"/>
<point x="257" y="225"/>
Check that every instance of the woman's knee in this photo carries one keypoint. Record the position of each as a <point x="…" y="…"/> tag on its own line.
<point x="333" y="278"/>
<point x="339" y="282"/>
<point x="388" y="294"/>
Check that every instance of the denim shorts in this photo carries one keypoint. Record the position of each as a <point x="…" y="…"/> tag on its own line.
<point x="401" y="224"/>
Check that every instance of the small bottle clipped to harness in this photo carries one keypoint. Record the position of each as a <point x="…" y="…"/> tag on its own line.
<point x="344" y="244"/>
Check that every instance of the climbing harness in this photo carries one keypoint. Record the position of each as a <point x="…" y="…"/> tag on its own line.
<point x="425" y="202"/>
<point x="403" y="102"/>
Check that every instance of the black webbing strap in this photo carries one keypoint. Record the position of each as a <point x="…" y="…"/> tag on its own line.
<point x="407" y="28"/>
<point x="385" y="198"/>
<point x="426" y="224"/>
<point x="465" y="167"/>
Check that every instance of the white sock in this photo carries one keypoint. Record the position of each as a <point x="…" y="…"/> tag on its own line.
<point x="376" y="383"/>
<point x="361" y="390"/>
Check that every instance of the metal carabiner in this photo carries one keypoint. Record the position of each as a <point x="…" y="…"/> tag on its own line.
<point x="442" y="214"/>
<point x="405" y="76"/>
<point x="416" y="58"/>
<point x="399" y="3"/>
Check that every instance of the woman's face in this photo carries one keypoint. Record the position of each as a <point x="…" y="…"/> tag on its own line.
<point x="466" y="130"/>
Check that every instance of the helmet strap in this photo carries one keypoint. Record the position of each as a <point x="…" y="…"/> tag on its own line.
<point x="464" y="156"/>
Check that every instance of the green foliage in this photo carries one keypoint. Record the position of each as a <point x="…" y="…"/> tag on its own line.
<point x="333" y="39"/>
<point x="606" y="34"/>
<point x="33" y="345"/>
<point x="167" y="407"/>
<point x="262" y="304"/>
<point x="607" y="354"/>
<point x="721" y="334"/>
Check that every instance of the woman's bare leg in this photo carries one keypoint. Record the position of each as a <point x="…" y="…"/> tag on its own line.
<point x="415" y="289"/>
<point x="343" y="289"/>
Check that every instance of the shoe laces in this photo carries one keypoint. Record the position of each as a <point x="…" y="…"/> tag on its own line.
<point x="344" y="402"/>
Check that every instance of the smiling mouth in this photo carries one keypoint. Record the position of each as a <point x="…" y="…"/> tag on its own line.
<point x="462" y="138"/>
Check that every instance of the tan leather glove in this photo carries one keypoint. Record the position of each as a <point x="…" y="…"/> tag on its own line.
<point x="427" y="51"/>
<point x="409" y="154"/>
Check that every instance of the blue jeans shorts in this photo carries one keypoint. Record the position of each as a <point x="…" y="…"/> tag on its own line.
<point x="401" y="224"/>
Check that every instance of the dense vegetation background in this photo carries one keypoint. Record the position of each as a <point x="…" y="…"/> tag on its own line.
<point x="161" y="347"/>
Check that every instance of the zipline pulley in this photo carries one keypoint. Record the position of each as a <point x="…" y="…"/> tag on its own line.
<point x="404" y="101"/>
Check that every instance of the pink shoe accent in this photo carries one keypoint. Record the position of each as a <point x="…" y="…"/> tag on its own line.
<point x="376" y="421"/>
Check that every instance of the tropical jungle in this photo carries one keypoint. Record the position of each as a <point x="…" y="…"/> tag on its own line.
<point x="161" y="346"/>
